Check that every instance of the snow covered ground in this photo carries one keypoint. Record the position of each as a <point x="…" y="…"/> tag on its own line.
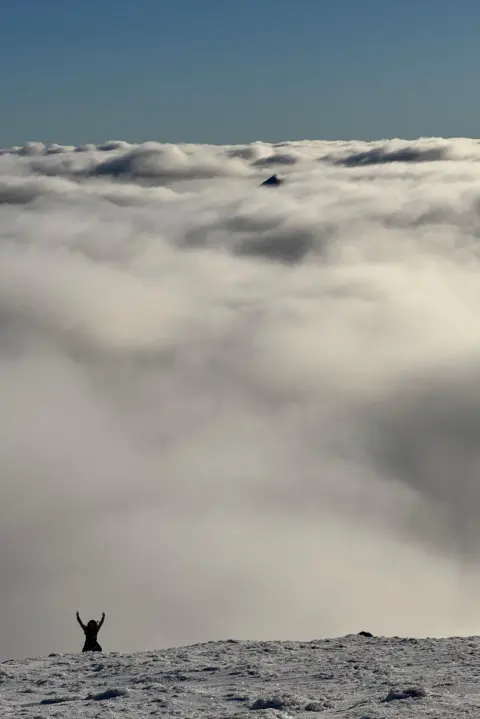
<point x="353" y="676"/>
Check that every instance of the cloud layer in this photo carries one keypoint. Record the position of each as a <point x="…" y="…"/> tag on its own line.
<point x="231" y="410"/>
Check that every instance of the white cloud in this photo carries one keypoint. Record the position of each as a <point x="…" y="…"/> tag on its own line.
<point x="238" y="411"/>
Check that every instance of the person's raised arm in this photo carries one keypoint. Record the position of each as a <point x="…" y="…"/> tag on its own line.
<point x="101" y="620"/>
<point x="80" y="621"/>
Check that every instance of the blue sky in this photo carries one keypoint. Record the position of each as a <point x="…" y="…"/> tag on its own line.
<point x="224" y="71"/>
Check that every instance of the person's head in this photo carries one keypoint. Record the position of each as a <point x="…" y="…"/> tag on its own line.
<point x="92" y="624"/>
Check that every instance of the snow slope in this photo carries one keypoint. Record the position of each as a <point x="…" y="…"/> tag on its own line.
<point x="352" y="676"/>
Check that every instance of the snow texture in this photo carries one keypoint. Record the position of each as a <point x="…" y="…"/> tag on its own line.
<point x="353" y="677"/>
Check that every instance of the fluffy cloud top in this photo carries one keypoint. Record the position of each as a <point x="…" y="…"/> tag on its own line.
<point x="237" y="411"/>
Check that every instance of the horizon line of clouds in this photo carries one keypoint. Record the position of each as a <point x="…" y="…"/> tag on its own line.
<point x="259" y="152"/>
<point x="167" y="165"/>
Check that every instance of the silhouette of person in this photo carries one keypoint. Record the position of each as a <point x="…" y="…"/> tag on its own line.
<point x="91" y="631"/>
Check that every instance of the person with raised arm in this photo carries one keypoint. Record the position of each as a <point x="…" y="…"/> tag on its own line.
<point x="91" y="632"/>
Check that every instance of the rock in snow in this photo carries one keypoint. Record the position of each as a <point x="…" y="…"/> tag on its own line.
<point x="345" y="677"/>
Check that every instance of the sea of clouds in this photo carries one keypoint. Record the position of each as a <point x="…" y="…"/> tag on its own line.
<point x="238" y="411"/>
